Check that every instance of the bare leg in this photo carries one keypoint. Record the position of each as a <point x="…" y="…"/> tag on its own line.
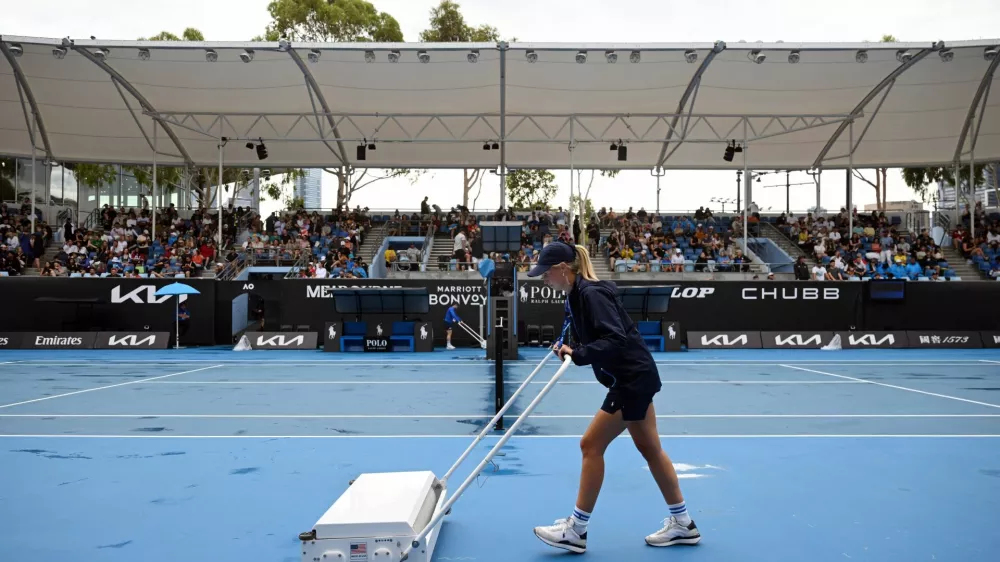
<point x="602" y="431"/>
<point x="647" y="441"/>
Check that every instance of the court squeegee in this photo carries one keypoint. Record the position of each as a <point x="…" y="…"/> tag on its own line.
<point x="396" y="516"/>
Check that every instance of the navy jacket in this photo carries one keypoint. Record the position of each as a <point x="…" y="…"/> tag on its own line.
<point x="606" y="338"/>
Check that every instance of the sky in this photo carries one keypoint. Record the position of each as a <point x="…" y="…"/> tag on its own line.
<point x="566" y="21"/>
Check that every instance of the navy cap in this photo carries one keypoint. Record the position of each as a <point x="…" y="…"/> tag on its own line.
<point x="553" y="254"/>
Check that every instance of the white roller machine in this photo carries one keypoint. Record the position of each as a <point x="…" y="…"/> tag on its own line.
<point x="396" y="516"/>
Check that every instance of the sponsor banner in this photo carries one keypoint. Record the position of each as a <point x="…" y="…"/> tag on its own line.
<point x="795" y="340"/>
<point x="423" y="336"/>
<point x="10" y="340"/>
<point x="873" y="340"/>
<point x="376" y="344"/>
<point x="58" y="340"/>
<point x="332" y="335"/>
<point x="724" y="340"/>
<point x="937" y="339"/>
<point x="990" y="339"/>
<point x="132" y="340"/>
<point x="671" y="332"/>
<point x="282" y="340"/>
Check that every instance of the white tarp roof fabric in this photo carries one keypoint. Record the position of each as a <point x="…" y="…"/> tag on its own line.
<point x="440" y="113"/>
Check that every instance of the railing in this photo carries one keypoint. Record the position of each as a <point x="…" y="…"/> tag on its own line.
<point x="233" y="268"/>
<point x="293" y="272"/>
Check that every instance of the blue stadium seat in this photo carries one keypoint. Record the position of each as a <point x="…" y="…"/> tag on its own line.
<point x="652" y="334"/>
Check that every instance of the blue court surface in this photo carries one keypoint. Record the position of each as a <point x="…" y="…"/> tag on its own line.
<point x="214" y="455"/>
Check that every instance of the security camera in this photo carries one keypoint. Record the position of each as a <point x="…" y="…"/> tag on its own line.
<point x="246" y="56"/>
<point x="16" y="50"/>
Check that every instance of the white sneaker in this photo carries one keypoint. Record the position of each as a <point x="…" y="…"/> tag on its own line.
<point x="563" y="535"/>
<point x="450" y="346"/>
<point x="674" y="533"/>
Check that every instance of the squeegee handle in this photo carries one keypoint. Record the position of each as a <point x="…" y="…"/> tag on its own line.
<point x="567" y="361"/>
<point x="493" y="422"/>
<point x="469" y="331"/>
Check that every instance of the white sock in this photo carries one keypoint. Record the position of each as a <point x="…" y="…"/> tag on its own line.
<point x="580" y="520"/>
<point x="679" y="512"/>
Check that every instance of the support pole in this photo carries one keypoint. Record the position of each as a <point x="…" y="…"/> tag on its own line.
<point x="739" y="188"/>
<point x="153" y="231"/>
<point x="218" y="192"/>
<point x="746" y="186"/>
<point x="819" y="188"/>
<point x="498" y="352"/>
<point x="972" y="194"/>
<point x="659" y="172"/>
<point x="571" y="169"/>
<point x="850" y="181"/>
<point x="788" y="193"/>
<point x="32" y="177"/>
<point x="503" y="125"/>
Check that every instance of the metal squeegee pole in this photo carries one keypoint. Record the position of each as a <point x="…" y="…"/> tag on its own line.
<point x="488" y="426"/>
<point x="496" y="448"/>
<point x="471" y="332"/>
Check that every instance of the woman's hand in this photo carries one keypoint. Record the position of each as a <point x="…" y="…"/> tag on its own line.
<point x="561" y="351"/>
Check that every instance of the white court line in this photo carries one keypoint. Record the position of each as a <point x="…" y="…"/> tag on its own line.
<point x="486" y="416"/>
<point x="623" y="436"/>
<point x="896" y="387"/>
<point x="7" y="362"/>
<point x="105" y="387"/>
<point x="490" y="382"/>
<point x="988" y="361"/>
<point x="531" y="361"/>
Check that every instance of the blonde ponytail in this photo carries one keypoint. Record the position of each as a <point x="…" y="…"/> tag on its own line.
<point x="582" y="266"/>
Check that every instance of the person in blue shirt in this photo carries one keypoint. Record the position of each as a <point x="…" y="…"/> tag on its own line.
<point x="913" y="269"/>
<point x="451" y="318"/>
<point x="606" y="339"/>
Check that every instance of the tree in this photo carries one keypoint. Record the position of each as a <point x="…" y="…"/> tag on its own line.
<point x="190" y="34"/>
<point x="918" y="179"/>
<point x="530" y="189"/>
<point x="583" y="202"/>
<point x="331" y="20"/>
<point x="447" y="25"/>
<point x="348" y="185"/>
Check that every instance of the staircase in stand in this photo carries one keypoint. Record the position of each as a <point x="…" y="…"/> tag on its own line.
<point x="769" y="231"/>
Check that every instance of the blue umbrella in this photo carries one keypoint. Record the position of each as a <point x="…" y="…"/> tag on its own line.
<point x="177" y="289"/>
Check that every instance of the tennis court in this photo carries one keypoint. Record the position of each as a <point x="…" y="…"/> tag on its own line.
<point x="216" y="455"/>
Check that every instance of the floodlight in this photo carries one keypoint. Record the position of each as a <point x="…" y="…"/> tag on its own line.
<point x="393" y="56"/>
<point x="581" y="57"/>
<point x="486" y="146"/>
<point x="246" y="55"/>
<point x="102" y="54"/>
<point x="622" y="153"/>
<point x="284" y="44"/>
<point x="369" y="56"/>
<point x="990" y="53"/>
<point x="59" y="52"/>
<point x="496" y="146"/>
<point x="793" y="57"/>
<point x="473" y="56"/>
<point x="756" y="57"/>
<point x="424" y="57"/>
<point x="211" y="55"/>
<point x="947" y="55"/>
<point x="903" y="55"/>
<point x="143" y="54"/>
<point x="261" y="151"/>
<point x="611" y="57"/>
<point x="691" y="56"/>
<point x="314" y="55"/>
<point x="634" y="57"/>
<point x="730" y="151"/>
<point x="532" y="56"/>
<point x="16" y="49"/>
<point x="861" y="57"/>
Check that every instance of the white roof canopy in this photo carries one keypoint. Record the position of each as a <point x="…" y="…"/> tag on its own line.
<point x="673" y="105"/>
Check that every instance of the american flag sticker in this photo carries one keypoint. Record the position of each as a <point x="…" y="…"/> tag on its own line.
<point x="359" y="552"/>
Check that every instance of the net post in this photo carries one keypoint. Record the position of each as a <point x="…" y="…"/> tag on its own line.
<point x="498" y="372"/>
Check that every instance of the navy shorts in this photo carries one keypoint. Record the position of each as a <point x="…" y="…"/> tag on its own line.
<point x="633" y="405"/>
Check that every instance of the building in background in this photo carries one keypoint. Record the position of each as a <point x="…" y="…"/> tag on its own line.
<point x="309" y="188"/>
